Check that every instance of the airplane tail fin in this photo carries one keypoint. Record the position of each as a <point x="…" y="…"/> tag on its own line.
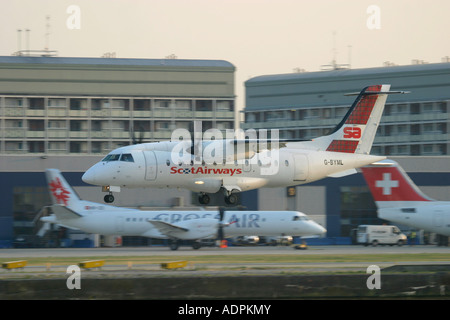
<point x="60" y="190"/>
<point x="391" y="186"/>
<point x="356" y="132"/>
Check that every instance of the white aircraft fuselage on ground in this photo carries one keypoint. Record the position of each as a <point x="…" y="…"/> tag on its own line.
<point x="72" y="212"/>
<point x="399" y="200"/>
<point x="231" y="165"/>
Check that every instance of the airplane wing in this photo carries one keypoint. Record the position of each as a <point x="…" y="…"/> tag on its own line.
<point x="167" y="228"/>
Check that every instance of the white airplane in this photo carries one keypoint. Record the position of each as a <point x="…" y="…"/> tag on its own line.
<point x="72" y="212"/>
<point x="399" y="200"/>
<point x="230" y="165"/>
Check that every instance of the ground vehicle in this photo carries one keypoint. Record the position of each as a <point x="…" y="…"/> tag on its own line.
<point x="375" y="234"/>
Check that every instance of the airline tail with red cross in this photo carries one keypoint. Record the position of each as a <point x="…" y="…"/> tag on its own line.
<point x="356" y="132"/>
<point x="391" y="186"/>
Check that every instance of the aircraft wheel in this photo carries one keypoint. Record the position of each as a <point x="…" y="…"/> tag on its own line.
<point x="196" y="245"/>
<point x="109" y="198"/>
<point x="203" y="199"/>
<point x="174" y="245"/>
<point x="231" y="199"/>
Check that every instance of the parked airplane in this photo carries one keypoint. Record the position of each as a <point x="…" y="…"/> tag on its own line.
<point x="399" y="200"/>
<point x="230" y="165"/>
<point x="72" y="212"/>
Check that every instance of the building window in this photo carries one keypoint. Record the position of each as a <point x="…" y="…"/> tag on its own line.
<point x="36" y="103"/>
<point x="203" y="105"/>
<point x="36" y="125"/>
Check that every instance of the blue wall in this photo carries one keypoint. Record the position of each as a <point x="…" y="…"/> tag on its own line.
<point x="249" y="199"/>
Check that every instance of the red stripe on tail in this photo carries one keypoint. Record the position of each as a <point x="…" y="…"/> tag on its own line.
<point x="348" y="146"/>
<point x="362" y="112"/>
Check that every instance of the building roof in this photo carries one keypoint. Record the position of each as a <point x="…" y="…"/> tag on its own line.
<point x="425" y="82"/>
<point x="116" y="61"/>
<point x="26" y="75"/>
<point x="353" y="73"/>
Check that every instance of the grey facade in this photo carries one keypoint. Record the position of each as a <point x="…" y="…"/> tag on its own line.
<point x="92" y="105"/>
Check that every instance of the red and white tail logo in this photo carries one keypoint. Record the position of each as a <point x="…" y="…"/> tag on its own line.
<point x="355" y="132"/>
<point x="391" y="183"/>
<point x="59" y="192"/>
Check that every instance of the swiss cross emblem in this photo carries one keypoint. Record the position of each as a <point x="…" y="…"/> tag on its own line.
<point x="60" y="193"/>
<point x="387" y="184"/>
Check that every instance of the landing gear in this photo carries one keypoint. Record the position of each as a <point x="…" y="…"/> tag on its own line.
<point x="232" y="199"/>
<point x="196" y="245"/>
<point x="109" y="198"/>
<point x="174" y="245"/>
<point x="203" y="198"/>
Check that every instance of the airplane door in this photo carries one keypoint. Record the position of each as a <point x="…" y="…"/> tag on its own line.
<point x="301" y="167"/>
<point x="151" y="166"/>
<point x="438" y="217"/>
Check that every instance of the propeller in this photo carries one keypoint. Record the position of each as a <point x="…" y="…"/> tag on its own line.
<point x="195" y="131"/>
<point x="220" y="233"/>
<point x="221" y="225"/>
<point x="141" y="136"/>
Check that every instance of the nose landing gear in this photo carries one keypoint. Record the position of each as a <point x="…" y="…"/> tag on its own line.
<point x="109" y="198"/>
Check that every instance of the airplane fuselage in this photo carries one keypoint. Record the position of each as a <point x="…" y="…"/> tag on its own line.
<point x="431" y="216"/>
<point x="98" y="219"/>
<point x="156" y="168"/>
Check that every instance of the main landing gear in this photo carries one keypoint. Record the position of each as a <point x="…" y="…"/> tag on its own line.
<point x="229" y="197"/>
<point x="174" y="244"/>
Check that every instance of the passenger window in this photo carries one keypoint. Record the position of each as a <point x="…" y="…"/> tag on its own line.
<point x="111" y="157"/>
<point x="127" y="157"/>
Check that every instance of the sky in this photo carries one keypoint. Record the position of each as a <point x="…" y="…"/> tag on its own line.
<point x="258" y="37"/>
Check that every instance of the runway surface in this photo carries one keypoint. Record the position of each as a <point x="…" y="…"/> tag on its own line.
<point x="261" y="266"/>
<point x="188" y="251"/>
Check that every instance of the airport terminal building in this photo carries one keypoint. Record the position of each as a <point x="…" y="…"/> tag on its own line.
<point x="67" y="113"/>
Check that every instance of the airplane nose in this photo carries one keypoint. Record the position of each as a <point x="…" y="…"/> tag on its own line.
<point x="89" y="176"/>
<point x="317" y="229"/>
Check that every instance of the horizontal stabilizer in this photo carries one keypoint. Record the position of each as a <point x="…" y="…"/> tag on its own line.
<point x="375" y="93"/>
<point x="63" y="213"/>
<point x="342" y="173"/>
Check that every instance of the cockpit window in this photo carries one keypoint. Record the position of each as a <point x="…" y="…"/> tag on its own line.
<point x="127" y="157"/>
<point x="300" y="218"/>
<point x="111" y="157"/>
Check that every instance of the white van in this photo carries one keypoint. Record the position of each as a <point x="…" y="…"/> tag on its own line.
<point x="375" y="235"/>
